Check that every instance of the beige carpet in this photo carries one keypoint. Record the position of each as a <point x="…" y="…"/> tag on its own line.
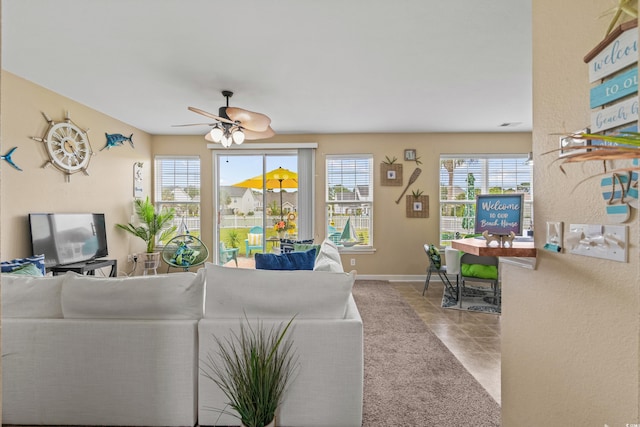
<point x="411" y="378"/>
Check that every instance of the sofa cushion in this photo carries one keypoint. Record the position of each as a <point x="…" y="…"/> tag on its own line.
<point x="234" y="292"/>
<point x="31" y="297"/>
<point x="286" y="261"/>
<point x="480" y="271"/>
<point x="329" y="258"/>
<point x="38" y="260"/>
<point x="165" y="296"/>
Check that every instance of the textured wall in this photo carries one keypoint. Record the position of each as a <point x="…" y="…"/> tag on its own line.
<point x="570" y="348"/>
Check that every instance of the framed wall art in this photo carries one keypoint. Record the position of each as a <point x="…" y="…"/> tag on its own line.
<point x="410" y="155"/>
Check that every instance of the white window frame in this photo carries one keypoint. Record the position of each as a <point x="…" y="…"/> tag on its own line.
<point x="193" y="177"/>
<point x="368" y="201"/>
<point x="448" y="224"/>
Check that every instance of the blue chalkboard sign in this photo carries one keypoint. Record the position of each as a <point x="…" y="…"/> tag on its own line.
<point x="499" y="213"/>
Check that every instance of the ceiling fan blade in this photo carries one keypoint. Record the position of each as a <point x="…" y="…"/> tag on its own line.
<point x="248" y="119"/>
<point x="194" y="124"/>
<point x="252" y="135"/>
<point x="213" y="116"/>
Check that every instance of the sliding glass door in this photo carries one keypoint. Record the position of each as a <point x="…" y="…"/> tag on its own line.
<point x="256" y="197"/>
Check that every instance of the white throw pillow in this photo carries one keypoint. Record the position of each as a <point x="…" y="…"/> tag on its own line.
<point x="234" y="292"/>
<point x="165" y="296"/>
<point x="329" y="258"/>
<point x="31" y="297"/>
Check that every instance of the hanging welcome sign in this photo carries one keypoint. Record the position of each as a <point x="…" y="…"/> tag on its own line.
<point x="499" y="213"/>
<point x="613" y="98"/>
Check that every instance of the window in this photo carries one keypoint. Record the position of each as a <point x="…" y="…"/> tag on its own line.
<point x="177" y="180"/>
<point x="462" y="177"/>
<point x="349" y="198"/>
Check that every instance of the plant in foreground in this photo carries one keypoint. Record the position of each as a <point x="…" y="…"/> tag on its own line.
<point x="254" y="369"/>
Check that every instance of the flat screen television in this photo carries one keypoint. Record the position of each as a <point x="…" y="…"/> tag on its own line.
<point x="68" y="238"/>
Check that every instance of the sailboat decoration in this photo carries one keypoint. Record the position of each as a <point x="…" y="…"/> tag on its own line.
<point x="349" y="237"/>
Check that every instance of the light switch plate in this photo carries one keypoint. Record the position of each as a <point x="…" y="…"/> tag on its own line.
<point x="598" y="241"/>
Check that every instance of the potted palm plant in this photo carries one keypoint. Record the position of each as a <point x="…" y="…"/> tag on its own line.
<point x="154" y="226"/>
<point x="253" y="369"/>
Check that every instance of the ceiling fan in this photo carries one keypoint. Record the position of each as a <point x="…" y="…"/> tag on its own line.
<point x="234" y="124"/>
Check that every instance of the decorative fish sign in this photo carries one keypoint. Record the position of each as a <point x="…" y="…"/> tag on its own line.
<point x="116" y="139"/>
<point x="7" y="157"/>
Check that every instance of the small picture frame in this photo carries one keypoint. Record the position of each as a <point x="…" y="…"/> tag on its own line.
<point x="417" y="206"/>
<point x="391" y="174"/>
<point x="410" y="155"/>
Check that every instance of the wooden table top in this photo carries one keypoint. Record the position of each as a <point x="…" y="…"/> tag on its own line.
<point x="479" y="247"/>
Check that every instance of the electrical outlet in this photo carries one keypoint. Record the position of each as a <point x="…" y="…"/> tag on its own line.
<point x="353" y="262"/>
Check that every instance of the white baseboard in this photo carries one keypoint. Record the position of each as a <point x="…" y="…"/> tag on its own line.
<point x="397" y="277"/>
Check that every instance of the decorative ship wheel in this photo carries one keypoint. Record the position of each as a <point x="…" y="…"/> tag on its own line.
<point x="67" y="145"/>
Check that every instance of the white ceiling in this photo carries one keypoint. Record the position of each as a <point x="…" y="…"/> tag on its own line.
<point x="313" y="66"/>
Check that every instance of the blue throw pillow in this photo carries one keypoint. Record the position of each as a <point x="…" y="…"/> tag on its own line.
<point x="288" y="261"/>
<point x="38" y="260"/>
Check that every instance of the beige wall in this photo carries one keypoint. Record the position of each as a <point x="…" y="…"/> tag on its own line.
<point x="108" y="188"/>
<point x="398" y="240"/>
<point x="570" y="348"/>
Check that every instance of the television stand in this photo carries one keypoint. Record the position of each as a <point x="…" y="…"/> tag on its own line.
<point x="87" y="267"/>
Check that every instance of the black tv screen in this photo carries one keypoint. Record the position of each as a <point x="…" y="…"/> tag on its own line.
<point x="67" y="238"/>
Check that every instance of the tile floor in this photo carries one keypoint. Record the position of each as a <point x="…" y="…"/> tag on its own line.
<point x="474" y="338"/>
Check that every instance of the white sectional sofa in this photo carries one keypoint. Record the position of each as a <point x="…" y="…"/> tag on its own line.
<point x="101" y="351"/>
<point x="327" y="337"/>
<point x="80" y="350"/>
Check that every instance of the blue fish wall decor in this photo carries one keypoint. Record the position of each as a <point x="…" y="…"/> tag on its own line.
<point x="116" y="139"/>
<point x="7" y="157"/>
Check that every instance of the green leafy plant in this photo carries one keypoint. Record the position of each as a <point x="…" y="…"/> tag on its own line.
<point x="418" y="161"/>
<point x="233" y="238"/>
<point x="417" y="193"/>
<point x="152" y="223"/>
<point x="389" y="161"/>
<point x="254" y="371"/>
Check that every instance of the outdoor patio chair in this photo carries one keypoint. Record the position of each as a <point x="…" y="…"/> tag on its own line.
<point x="253" y="240"/>
<point x="435" y="266"/>
<point x="228" y="254"/>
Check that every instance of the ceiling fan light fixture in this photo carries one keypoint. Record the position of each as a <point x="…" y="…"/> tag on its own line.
<point x="226" y="140"/>
<point x="216" y="134"/>
<point x="238" y="135"/>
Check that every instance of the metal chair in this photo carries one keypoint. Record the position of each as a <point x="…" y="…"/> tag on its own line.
<point x="470" y="259"/>
<point x="435" y="266"/>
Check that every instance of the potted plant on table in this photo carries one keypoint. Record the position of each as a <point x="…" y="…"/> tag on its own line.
<point x="253" y="370"/>
<point x="154" y="224"/>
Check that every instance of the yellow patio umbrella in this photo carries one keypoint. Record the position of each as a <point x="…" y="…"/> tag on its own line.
<point x="278" y="178"/>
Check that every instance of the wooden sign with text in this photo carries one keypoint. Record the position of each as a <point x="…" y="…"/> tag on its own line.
<point x="615" y="115"/>
<point x="618" y="50"/>
<point x="617" y="87"/>
<point x="499" y="213"/>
